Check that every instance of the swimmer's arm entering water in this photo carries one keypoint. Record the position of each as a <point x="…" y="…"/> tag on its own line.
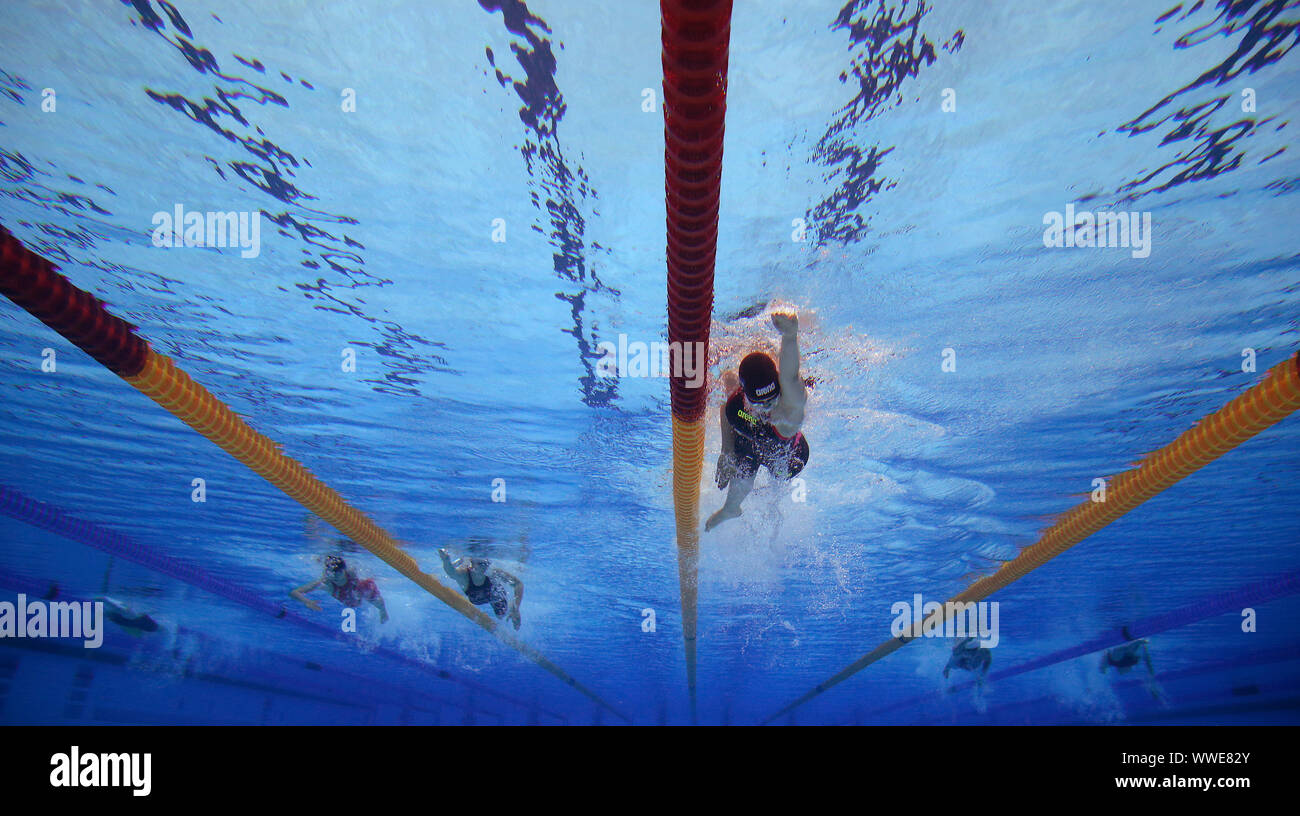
<point x="986" y="660"/>
<point x="1151" y="685"/>
<point x="788" y="415"/>
<point x="378" y="603"/>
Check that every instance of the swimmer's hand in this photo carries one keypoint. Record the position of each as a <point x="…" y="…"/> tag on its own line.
<point x="787" y="324"/>
<point x="310" y="604"/>
<point x="725" y="470"/>
<point x="515" y="620"/>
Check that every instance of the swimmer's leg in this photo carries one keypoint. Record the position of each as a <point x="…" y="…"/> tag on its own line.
<point x="737" y="490"/>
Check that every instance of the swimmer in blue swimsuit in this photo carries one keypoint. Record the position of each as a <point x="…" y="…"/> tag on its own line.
<point x="133" y="623"/>
<point x="969" y="655"/>
<point x="485" y="584"/>
<point x="1123" y="658"/>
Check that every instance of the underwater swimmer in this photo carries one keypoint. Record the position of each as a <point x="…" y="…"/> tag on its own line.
<point x="761" y="421"/>
<point x="968" y="655"/>
<point x="1123" y="658"/>
<point x="343" y="583"/>
<point x="134" y="623"/>
<point x="483" y="584"/>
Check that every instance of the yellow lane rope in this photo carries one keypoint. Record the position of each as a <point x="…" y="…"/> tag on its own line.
<point x="194" y="405"/>
<point x="688" y="462"/>
<point x="1266" y="403"/>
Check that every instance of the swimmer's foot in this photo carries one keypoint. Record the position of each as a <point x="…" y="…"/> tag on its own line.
<point x="722" y="515"/>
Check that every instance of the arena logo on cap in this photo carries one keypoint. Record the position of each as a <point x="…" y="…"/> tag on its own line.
<point x="655" y="359"/>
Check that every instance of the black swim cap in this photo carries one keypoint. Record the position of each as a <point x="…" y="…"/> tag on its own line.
<point x="759" y="378"/>
<point x="333" y="563"/>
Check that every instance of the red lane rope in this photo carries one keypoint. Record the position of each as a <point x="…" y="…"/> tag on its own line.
<point x="32" y="282"/>
<point x="696" y="34"/>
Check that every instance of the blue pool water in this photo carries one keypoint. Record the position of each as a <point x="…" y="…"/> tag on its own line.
<point x="468" y="197"/>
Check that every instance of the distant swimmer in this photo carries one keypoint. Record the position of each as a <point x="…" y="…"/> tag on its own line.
<point x="134" y="623"/>
<point x="761" y="421"/>
<point x="968" y="655"/>
<point x="342" y="582"/>
<point x="483" y="584"/>
<point x="1123" y="658"/>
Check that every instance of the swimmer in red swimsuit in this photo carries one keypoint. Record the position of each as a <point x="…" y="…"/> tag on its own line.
<point x="342" y="582"/>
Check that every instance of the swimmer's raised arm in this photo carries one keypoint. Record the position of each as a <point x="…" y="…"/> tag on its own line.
<point x="793" y="394"/>
<point x="448" y="566"/>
